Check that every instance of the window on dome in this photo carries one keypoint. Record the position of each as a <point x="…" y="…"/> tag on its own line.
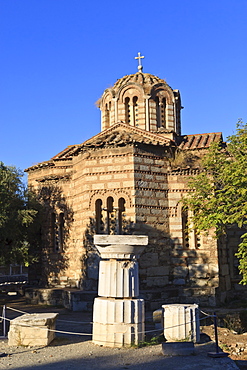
<point x="127" y="110"/>
<point x="107" y="116"/>
<point x="135" y="111"/>
<point x="157" y="102"/>
<point x="163" y="112"/>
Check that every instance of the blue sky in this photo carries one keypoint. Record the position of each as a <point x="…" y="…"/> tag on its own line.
<point x="58" y="56"/>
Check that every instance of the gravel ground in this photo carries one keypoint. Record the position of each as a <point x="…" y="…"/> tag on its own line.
<point x="68" y="352"/>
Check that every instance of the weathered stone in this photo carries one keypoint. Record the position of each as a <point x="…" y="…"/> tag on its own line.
<point x="118" y="318"/>
<point x="32" y="329"/>
<point x="158" y="271"/>
<point x="157" y="281"/>
<point x="181" y="322"/>
<point x="180" y="271"/>
<point x="179" y="281"/>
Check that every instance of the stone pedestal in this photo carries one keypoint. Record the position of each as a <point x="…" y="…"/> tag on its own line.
<point x="118" y="315"/>
<point x="181" y="322"/>
<point x="118" y="322"/>
<point x="32" y="329"/>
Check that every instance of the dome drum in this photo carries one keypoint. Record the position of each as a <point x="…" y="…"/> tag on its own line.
<point x="141" y="100"/>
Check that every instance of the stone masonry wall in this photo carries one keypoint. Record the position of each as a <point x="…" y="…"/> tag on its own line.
<point x="99" y="174"/>
<point x="140" y="174"/>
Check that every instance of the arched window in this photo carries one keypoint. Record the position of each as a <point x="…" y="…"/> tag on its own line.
<point x="99" y="216"/>
<point x="111" y="221"/>
<point x="185" y="227"/>
<point x="163" y="112"/>
<point x="135" y="111"/>
<point x="157" y="103"/>
<point x="121" y="210"/>
<point x="127" y="110"/>
<point x="107" y="116"/>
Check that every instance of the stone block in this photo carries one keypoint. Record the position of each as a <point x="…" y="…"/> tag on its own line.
<point x="158" y="271"/>
<point x="180" y="271"/>
<point x="198" y="270"/>
<point x="118" y="322"/>
<point x="155" y="281"/>
<point x="113" y="185"/>
<point x="179" y="281"/>
<point x="32" y="330"/>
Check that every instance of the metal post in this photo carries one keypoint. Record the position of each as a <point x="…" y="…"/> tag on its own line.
<point x="4" y="321"/>
<point x="217" y="353"/>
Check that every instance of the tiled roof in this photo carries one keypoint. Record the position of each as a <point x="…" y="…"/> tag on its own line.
<point x="199" y="141"/>
<point x="118" y="134"/>
<point x="67" y="152"/>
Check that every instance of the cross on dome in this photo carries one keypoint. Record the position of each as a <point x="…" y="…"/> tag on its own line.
<point x="140" y="67"/>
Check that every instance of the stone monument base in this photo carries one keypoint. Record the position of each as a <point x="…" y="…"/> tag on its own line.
<point x="32" y="329"/>
<point x="118" y="322"/>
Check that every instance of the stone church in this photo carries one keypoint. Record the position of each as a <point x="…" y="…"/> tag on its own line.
<point x="130" y="179"/>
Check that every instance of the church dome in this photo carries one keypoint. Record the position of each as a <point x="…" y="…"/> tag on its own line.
<point x="142" y="100"/>
<point x="147" y="80"/>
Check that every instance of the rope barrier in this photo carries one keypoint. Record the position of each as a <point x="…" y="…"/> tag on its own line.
<point x="72" y="322"/>
<point x="68" y="332"/>
<point x="206" y="314"/>
<point x="3" y="319"/>
<point x="14" y="309"/>
<point x="42" y="328"/>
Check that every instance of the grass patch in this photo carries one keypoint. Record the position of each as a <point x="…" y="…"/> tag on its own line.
<point x="152" y="341"/>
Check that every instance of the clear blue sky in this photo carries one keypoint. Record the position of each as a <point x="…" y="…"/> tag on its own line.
<point x="58" y="56"/>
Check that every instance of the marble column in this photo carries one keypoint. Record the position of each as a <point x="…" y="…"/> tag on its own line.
<point x="118" y="315"/>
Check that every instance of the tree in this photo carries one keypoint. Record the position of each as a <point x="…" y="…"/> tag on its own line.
<point x="218" y="195"/>
<point x="17" y="217"/>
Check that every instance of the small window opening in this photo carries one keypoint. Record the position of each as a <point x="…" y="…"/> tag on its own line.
<point x="99" y="217"/>
<point x="111" y="220"/>
<point x="135" y="111"/>
<point x="157" y="102"/>
<point x="163" y="113"/>
<point x="127" y="110"/>
<point x="185" y="227"/>
<point x="121" y="210"/>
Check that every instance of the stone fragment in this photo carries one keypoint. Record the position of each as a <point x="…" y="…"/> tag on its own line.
<point x="32" y="329"/>
<point x="181" y="322"/>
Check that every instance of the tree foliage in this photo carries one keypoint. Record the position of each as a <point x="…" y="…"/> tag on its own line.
<point x="219" y="193"/>
<point x="18" y="217"/>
